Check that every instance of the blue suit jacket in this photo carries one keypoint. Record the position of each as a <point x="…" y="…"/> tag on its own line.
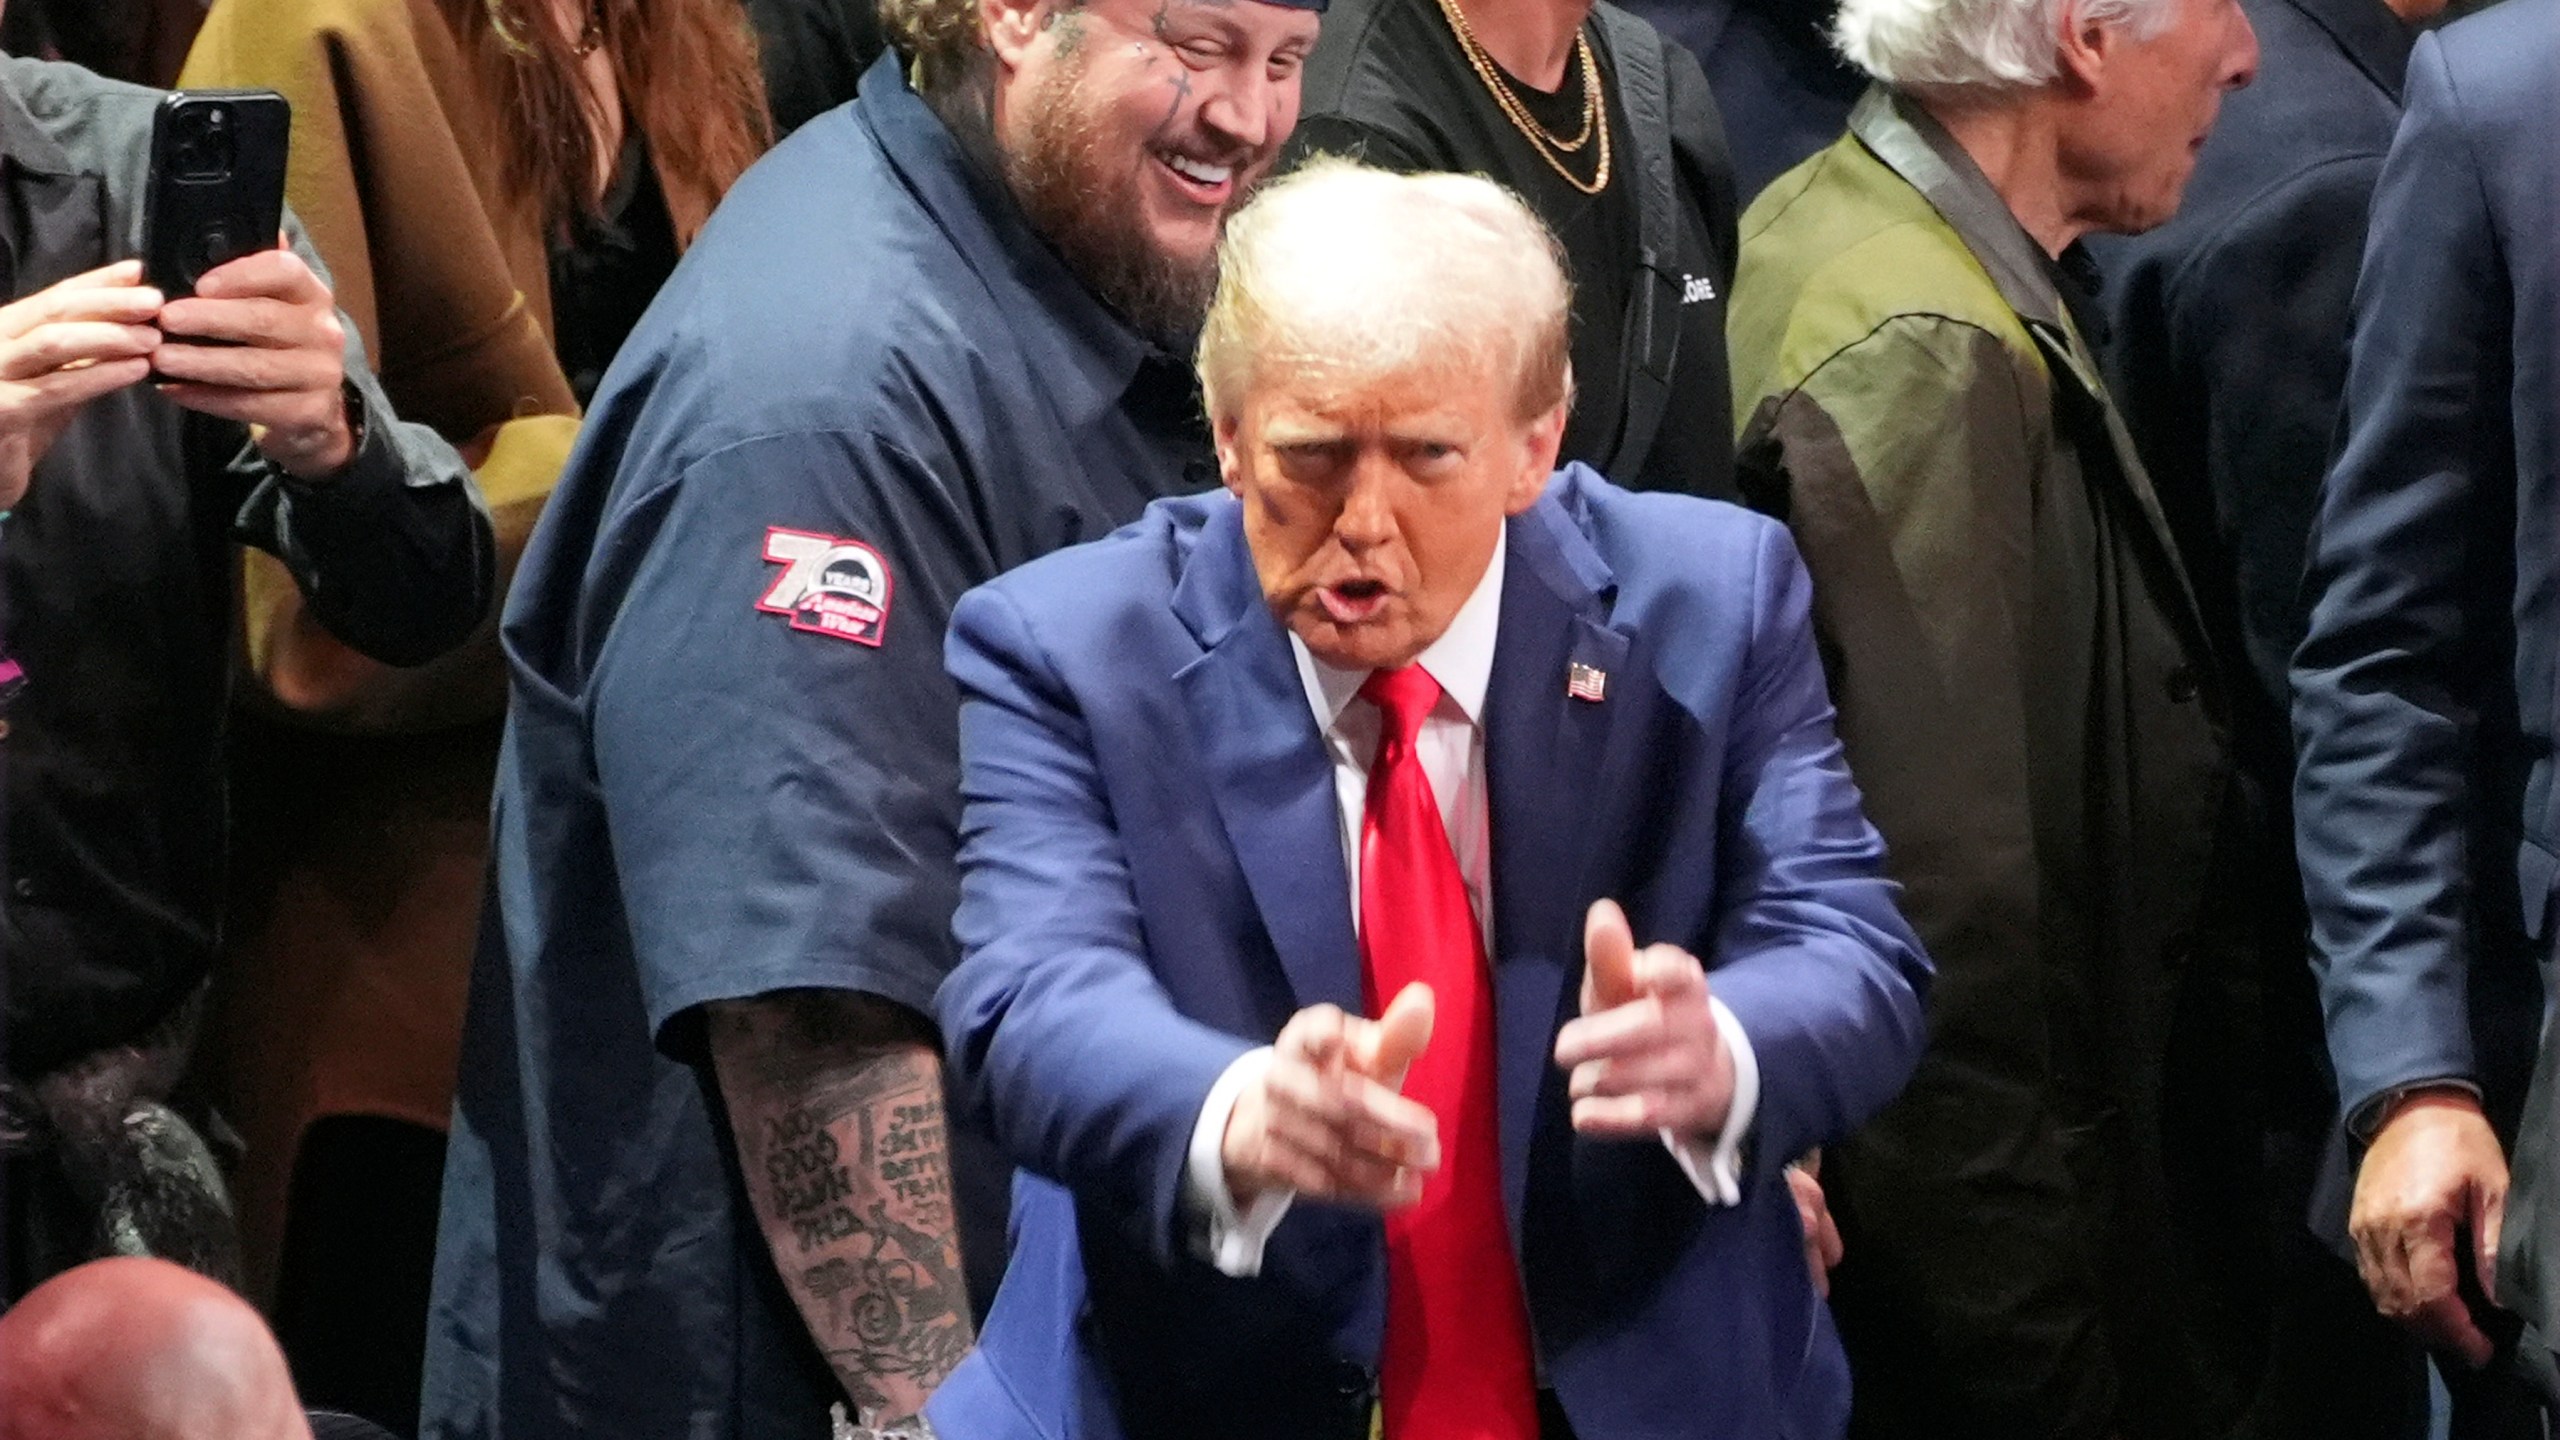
<point x="1154" y="882"/>
<point x="2423" y="699"/>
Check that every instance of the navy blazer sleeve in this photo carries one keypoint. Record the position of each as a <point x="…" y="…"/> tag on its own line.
<point x="2389" y="681"/>
<point x="1060" y="1036"/>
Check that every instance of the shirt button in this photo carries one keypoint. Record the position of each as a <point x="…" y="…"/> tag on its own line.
<point x="2181" y="684"/>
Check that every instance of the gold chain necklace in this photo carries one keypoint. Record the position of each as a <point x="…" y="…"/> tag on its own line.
<point x="1507" y="92"/>
<point x="1550" y="146"/>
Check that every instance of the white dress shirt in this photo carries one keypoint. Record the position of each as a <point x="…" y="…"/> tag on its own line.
<point x="1451" y="748"/>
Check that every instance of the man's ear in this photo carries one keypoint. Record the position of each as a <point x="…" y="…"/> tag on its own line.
<point x="1538" y="459"/>
<point x="1014" y="28"/>
<point x="2081" y="48"/>
<point x="1226" y="432"/>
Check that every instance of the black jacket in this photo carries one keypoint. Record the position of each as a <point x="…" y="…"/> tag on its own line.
<point x="1361" y="96"/>
<point x="121" y="582"/>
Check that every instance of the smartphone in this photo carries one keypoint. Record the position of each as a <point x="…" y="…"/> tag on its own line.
<point x="217" y="183"/>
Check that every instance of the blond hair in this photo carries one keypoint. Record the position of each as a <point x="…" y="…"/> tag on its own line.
<point x="1364" y="273"/>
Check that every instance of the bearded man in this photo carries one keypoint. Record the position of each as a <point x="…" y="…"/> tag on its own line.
<point x="699" y="1183"/>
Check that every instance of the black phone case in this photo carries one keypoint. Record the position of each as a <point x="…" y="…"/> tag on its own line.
<point x="205" y="208"/>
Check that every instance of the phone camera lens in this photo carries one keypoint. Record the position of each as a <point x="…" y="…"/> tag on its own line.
<point x="202" y="148"/>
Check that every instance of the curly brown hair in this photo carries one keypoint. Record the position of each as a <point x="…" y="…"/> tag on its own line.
<point x="944" y="39"/>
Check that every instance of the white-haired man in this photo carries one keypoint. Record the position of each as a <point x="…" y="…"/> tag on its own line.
<point x="1384" y="733"/>
<point x="2056" y="1232"/>
<point x="699" y="1184"/>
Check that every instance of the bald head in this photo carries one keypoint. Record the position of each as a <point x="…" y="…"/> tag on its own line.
<point x="129" y="1349"/>
<point x="1344" y="273"/>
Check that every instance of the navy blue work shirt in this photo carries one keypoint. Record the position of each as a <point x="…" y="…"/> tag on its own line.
<point x="732" y="757"/>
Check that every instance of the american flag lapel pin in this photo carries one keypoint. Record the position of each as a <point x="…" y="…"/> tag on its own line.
<point x="1586" y="682"/>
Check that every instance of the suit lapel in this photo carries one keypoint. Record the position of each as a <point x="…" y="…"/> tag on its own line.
<point x="1267" y="771"/>
<point x="1542" y="754"/>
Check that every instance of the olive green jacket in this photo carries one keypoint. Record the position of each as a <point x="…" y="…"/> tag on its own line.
<point x="2044" y="1234"/>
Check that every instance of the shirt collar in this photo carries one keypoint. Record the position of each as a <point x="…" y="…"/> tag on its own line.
<point x="1461" y="660"/>
<point x="2081" y="284"/>
<point x="1907" y="138"/>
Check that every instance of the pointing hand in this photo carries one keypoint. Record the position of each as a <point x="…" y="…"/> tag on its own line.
<point x="1325" y="1119"/>
<point x="1646" y="1055"/>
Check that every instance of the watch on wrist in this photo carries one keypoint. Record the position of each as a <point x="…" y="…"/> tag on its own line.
<point x="2385" y="1107"/>
<point x="355" y="418"/>
<point x="351" y="409"/>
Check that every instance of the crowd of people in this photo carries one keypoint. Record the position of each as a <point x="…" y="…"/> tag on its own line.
<point x="1217" y="719"/>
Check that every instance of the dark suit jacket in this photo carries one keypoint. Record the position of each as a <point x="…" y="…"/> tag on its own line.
<point x="2229" y="350"/>
<point x="2423" y="693"/>
<point x="2529" y="1251"/>
<point x="2229" y="355"/>
<point x="1154" y="883"/>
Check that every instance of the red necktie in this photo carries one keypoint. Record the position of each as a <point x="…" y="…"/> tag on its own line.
<point x="1457" y="1362"/>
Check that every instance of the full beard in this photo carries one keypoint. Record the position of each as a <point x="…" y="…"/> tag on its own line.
<point x="1086" y="203"/>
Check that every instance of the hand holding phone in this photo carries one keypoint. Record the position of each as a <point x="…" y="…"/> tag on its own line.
<point x="250" y="333"/>
<point x="260" y="342"/>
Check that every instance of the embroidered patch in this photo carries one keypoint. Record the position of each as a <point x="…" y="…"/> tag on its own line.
<point x="829" y="586"/>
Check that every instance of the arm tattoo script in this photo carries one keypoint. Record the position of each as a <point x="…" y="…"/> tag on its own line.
<point x="836" y="1103"/>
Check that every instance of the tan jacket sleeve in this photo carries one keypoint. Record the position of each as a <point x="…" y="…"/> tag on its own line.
<point x="392" y="175"/>
<point x="1907" y="467"/>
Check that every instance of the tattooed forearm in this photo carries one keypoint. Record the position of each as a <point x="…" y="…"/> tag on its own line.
<point x="836" y="1102"/>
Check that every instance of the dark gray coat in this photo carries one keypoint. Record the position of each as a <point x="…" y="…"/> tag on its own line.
<point x="121" y="584"/>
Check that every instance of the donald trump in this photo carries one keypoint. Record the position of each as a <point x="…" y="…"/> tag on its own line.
<point x="1414" y="904"/>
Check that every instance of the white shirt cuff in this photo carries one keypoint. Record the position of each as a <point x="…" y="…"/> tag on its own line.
<point x="1230" y="1241"/>
<point x="1715" y="1166"/>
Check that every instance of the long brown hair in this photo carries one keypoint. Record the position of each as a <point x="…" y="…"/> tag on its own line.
<point x="687" y="71"/>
